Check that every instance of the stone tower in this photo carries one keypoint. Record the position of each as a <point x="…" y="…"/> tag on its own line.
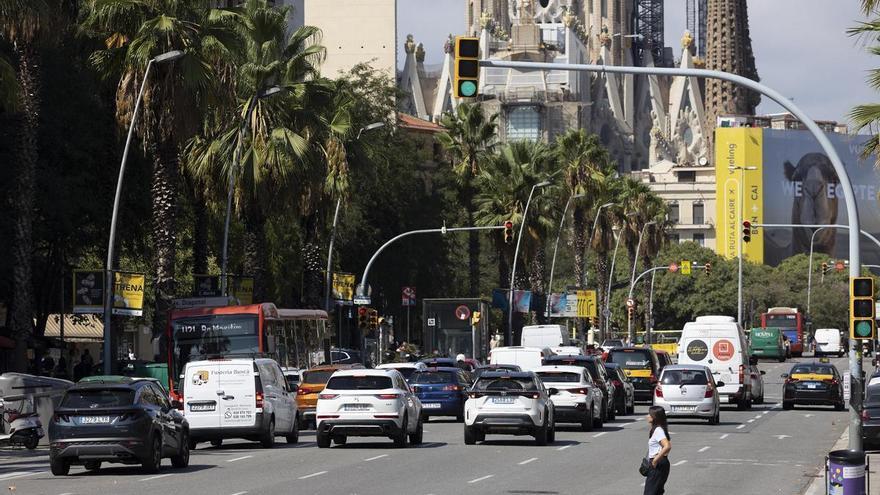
<point x="729" y="49"/>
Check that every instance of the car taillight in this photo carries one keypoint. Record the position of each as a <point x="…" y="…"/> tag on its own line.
<point x="742" y="373"/>
<point x="658" y="391"/>
<point x="451" y="388"/>
<point x="582" y="391"/>
<point x="709" y="392"/>
<point x="475" y="395"/>
<point x="617" y="383"/>
<point x="258" y="392"/>
<point x="302" y="391"/>
<point x="60" y="418"/>
<point x="791" y="380"/>
<point x="259" y="400"/>
<point x="388" y="396"/>
<point x="653" y="379"/>
<point x="832" y="381"/>
<point x="328" y="396"/>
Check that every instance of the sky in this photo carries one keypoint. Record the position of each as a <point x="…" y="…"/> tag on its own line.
<point x="801" y="47"/>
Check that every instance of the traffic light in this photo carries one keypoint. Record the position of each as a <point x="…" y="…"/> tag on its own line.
<point x="374" y="319"/>
<point x="862" y="325"/>
<point x="508" y="232"/>
<point x="708" y="268"/>
<point x="824" y="267"/>
<point x="467" y="67"/>
<point x="747" y="231"/>
<point x="363" y="313"/>
<point x="544" y="3"/>
<point x="630" y="311"/>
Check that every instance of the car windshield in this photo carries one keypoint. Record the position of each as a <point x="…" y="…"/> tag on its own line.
<point x="631" y="359"/>
<point x="612" y="343"/>
<point x="93" y="399"/>
<point x="872" y="394"/>
<point x="684" y="377"/>
<point x="428" y="377"/>
<point x="559" y="377"/>
<point x="807" y="369"/>
<point x="505" y="383"/>
<point x="320" y="376"/>
<point x="368" y="382"/>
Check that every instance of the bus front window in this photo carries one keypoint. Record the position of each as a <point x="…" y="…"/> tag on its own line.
<point x="203" y="337"/>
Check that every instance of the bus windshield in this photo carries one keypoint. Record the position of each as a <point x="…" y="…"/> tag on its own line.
<point x="214" y="335"/>
<point x="782" y="321"/>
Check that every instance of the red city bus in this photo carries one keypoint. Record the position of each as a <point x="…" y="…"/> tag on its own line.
<point x="291" y="336"/>
<point x="791" y="321"/>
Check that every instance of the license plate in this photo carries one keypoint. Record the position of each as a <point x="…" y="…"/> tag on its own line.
<point x="684" y="408"/>
<point x="503" y="400"/>
<point x="430" y="405"/>
<point x="811" y="385"/>
<point x="355" y="407"/>
<point x="94" y="420"/>
<point x="202" y="407"/>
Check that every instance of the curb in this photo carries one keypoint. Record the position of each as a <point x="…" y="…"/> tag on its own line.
<point x="817" y="486"/>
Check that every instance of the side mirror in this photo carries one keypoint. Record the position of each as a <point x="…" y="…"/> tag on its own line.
<point x="784" y="375"/>
<point x="753" y="360"/>
<point x="553" y="391"/>
<point x="294" y="388"/>
<point x="763" y="372"/>
<point x="719" y="384"/>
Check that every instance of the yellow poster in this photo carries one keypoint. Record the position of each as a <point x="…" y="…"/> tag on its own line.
<point x="128" y="294"/>
<point x="586" y="305"/>
<point x="343" y="286"/>
<point x="242" y="288"/>
<point x="739" y="191"/>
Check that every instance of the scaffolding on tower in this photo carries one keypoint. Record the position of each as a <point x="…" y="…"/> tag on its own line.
<point x="649" y="24"/>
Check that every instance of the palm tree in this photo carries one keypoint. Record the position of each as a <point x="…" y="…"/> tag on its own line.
<point x="9" y="88"/>
<point x="135" y="31"/>
<point x="603" y="239"/>
<point x="867" y="116"/>
<point x="469" y="138"/>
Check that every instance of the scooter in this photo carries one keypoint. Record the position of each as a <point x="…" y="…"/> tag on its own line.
<point x="18" y="428"/>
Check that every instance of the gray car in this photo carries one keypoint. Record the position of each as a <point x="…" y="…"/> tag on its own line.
<point x="688" y="391"/>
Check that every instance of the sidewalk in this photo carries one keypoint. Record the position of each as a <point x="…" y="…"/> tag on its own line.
<point x="817" y="487"/>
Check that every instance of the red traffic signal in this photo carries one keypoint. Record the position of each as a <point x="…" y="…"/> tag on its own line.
<point x="508" y="232"/>
<point x="747" y="231"/>
<point x="363" y="317"/>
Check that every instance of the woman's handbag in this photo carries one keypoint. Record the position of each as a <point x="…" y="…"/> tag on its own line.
<point x="645" y="467"/>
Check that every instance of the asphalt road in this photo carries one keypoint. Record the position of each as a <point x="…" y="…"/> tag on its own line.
<point x="764" y="450"/>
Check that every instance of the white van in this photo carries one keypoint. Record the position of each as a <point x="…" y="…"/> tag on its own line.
<point x="527" y="358"/>
<point x="542" y="336"/>
<point x="238" y="398"/>
<point x="829" y="341"/>
<point x="719" y="343"/>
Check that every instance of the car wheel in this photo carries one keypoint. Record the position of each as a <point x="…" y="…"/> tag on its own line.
<point x="92" y="465"/>
<point x="293" y="437"/>
<point x="714" y="420"/>
<point x="541" y="435"/>
<point x="741" y="405"/>
<point x="181" y="460"/>
<point x="216" y="443"/>
<point x="632" y="408"/>
<point x="787" y="405"/>
<point x="587" y="424"/>
<point x="470" y="435"/>
<point x="611" y="414"/>
<point x="31" y="442"/>
<point x="621" y="408"/>
<point x="340" y="439"/>
<point x="401" y="437"/>
<point x="416" y="437"/>
<point x="192" y="444"/>
<point x="551" y="433"/>
<point x="599" y="420"/>
<point x="153" y="462"/>
<point x="459" y="417"/>
<point x="323" y="440"/>
<point x="839" y="406"/>
<point x="268" y="438"/>
<point x="60" y="467"/>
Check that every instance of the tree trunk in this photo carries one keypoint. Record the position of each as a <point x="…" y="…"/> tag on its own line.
<point x="602" y="290"/>
<point x="473" y="242"/>
<point x="256" y="256"/>
<point x="646" y="293"/>
<point x="580" y="237"/>
<point x="537" y="275"/>
<point x="312" y="260"/>
<point x="22" y="323"/>
<point x="165" y="193"/>
<point x="200" y="226"/>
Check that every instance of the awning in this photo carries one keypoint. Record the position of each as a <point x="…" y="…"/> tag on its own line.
<point x="77" y="328"/>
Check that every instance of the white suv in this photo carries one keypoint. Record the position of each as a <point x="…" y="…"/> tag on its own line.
<point x="368" y="403"/>
<point x="514" y="403"/>
<point x="579" y="399"/>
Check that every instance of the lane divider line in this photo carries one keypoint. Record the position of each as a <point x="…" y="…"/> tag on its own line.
<point x="597" y="435"/>
<point x="724" y="436"/>
<point x="565" y="446"/>
<point x="156" y="477"/>
<point x="750" y="421"/>
<point x="704" y="449"/>
<point x="319" y="473"/>
<point x="523" y="463"/>
<point x="481" y="478"/>
<point x="239" y="493"/>
<point x="374" y="458"/>
<point x="679" y="463"/>
<point x="740" y="427"/>
<point x="239" y="458"/>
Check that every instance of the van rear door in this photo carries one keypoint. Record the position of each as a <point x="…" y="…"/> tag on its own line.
<point x="200" y="383"/>
<point x="237" y="394"/>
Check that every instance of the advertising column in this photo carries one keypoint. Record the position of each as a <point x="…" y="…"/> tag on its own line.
<point x="736" y="148"/>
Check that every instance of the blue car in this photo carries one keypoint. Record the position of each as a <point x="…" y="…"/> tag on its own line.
<point x="442" y="391"/>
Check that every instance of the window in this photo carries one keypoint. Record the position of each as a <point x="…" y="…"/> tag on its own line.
<point x="673" y="238"/>
<point x="524" y="123"/>
<point x="604" y="8"/>
<point x="92" y="399"/>
<point x="368" y="382"/>
<point x="687" y="176"/>
<point x="698" y="214"/>
<point x="673" y="212"/>
<point x="700" y="239"/>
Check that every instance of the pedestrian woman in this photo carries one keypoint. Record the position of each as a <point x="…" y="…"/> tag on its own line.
<point x="658" y="448"/>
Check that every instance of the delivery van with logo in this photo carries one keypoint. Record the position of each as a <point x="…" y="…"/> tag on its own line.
<point x="719" y="343"/>
<point x="767" y="343"/>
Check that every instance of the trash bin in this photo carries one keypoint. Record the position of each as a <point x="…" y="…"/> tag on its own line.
<point x="846" y="473"/>
<point x="158" y="371"/>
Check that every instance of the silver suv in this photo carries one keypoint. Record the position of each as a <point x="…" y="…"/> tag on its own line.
<point x="512" y="403"/>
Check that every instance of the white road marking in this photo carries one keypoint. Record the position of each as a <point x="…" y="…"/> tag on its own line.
<point x="523" y="463"/>
<point x="597" y="435"/>
<point x="750" y="421"/>
<point x="156" y="477"/>
<point x="481" y="478"/>
<point x="724" y="436"/>
<point x="759" y="416"/>
<point x="740" y="427"/>
<point x="780" y="437"/>
<point x="679" y="463"/>
<point x="239" y="458"/>
<point x="808" y="415"/>
<point x="374" y="458"/>
<point x="239" y="493"/>
<point x="565" y="446"/>
<point x="704" y="449"/>
<point x="319" y="473"/>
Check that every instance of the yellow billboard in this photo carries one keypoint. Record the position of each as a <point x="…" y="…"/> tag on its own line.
<point x="586" y="304"/>
<point x="128" y="294"/>
<point x="739" y="190"/>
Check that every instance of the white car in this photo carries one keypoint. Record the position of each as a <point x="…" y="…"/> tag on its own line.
<point x="579" y="399"/>
<point x="509" y="403"/>
<point x="689" y="391"/>
<point x="293" y="376"/>
<point x="368" y="403"/>
<point x="405" y="369"/>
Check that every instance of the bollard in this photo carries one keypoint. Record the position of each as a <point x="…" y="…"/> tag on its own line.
<point x="846" y="473"/>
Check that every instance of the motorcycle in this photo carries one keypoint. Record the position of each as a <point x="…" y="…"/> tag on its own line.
<point x="18" y="427"/>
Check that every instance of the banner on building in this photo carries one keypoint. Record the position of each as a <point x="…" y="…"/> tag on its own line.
<point x="343" y="287"/>
<point x="206" y="286"/>
<point x="242" y="288"/>
<point x="739" y="190"/>
<point x="128" y="293"/>
<point x="522" y="301"/>
<point x="88" y="291"/>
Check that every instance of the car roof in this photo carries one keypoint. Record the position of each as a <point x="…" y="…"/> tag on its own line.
<point x="394" y="366"/>
<point x="814" y="364"/>
<point x="567" y="357"/>
<point x="695" y="367"/>
<point x="365" y="372"/>
<point x="437" y="359"/>
<point x="336" y="367"/>
<point x="565" y="369"/>
<point x="440" y="369"/>
<point x="507" y="374"/>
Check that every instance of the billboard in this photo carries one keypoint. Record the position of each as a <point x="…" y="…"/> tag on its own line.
<point x="795" y="184"/>
<point x="128" y="293"/>
<point x="88" y="291"/>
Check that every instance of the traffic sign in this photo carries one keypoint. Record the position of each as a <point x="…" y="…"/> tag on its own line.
<point x="839" y="266"/>
<point x="432" y="322"/>
<point x="630" y="302"/>
<point x="673" y="267"/>
<point x="685" y="267"/>
<point x="408" y="296"/>
<point x="606" y="313"/>
<point x="462" y="312"/>
<point x="361" y="300"/>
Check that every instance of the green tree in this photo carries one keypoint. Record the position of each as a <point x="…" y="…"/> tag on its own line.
<point x="469" y="138"/>
<point x="867" y="116"/>
<point x="9" y="88"/>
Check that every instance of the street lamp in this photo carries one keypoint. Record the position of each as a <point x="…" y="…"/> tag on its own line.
<point x="265" y="93"/>
<point x="741" y="183"/>
<point x="607" y="312"/>
<point x="556" y="248"/>
<point x="509" y="337"/>
<point x="633" y="277"/>
<point x="374" y="125"/>
<point x="108" y="272"/>
<point x="810" y="269"/>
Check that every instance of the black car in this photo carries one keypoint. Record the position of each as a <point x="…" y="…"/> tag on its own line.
<point x="117" y="419"/>
<point x="871" y="414"/>
<point x="814" y="384"/>
<point x="496" y="367"/>
<point x="624" y="392"/>
<point x="596" y="367"/>
<point x="439" y="362"/>
<point x="641" y="365"/>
